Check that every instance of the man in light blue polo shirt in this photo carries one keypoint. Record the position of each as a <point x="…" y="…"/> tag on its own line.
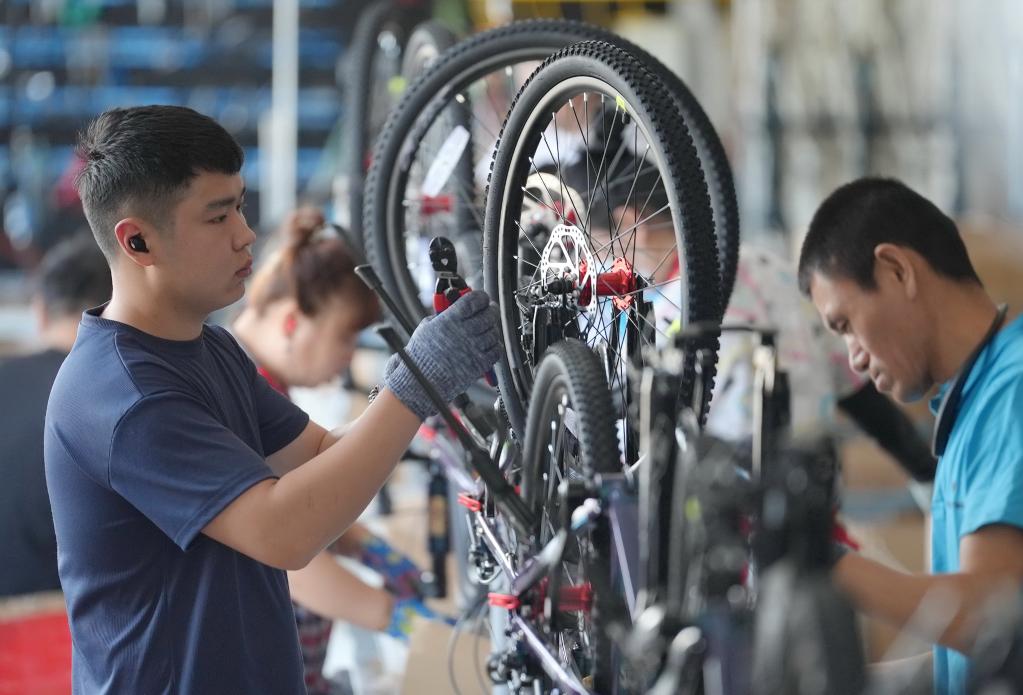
<point x="979" y="482"/>
<point x="888" y="271"/>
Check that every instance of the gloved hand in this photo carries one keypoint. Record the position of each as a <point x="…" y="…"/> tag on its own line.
<point x="401" y="576"/>
<point x="404" y="612"/>
<point x="452" y="349"/>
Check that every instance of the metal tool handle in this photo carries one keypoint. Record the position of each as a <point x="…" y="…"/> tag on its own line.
<point x="372" y="280"/>
<point x="504" y="494"/>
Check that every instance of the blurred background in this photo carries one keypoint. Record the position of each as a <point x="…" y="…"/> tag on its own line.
<point x="806" y="94"/>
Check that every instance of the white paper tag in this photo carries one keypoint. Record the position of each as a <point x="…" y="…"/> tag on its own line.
<point x="447" y="158"/>
<point x="571" y="422"/>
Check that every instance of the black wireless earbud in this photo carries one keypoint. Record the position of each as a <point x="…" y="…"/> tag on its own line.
<point x="137" y="243"/>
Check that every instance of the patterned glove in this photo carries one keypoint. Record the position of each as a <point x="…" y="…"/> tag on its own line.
<point x="452" y="349"/>
<point x="405" y="610"/>
<point x="401" y="576"/>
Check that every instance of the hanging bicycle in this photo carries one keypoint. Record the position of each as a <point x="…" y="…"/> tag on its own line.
<point x="598" y="224"/>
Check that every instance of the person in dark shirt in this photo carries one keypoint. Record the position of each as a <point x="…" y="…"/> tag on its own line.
<point x="72" y="277"/>
<point x="183" y="486"/>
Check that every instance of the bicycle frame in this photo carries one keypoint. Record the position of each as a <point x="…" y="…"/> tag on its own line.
<point x="648" y="578"/>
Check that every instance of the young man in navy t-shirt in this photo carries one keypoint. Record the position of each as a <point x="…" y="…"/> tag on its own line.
<point x="182" y="485"/>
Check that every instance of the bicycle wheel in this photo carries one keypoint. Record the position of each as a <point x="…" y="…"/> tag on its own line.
<point x="570" y="436"/>
<point x="598" y="225"/>
<point x="481" y="75"/>
<point x="372" y="85"/>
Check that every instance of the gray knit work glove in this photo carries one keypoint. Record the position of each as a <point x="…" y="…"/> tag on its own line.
<point x="453" y="349"/>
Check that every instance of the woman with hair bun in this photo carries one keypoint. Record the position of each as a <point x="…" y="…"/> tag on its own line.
<point x="304" y="312"/>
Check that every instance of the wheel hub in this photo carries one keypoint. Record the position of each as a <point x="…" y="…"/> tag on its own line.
<point x="565" y="263"/>
<point x="565" y="267"/>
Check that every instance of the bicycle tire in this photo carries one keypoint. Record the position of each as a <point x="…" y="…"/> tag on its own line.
<point x="684" y="185"/>
<point x="571" y="377"/>
<point x="720" y="184"/>
<point x="425" y="45"/>
<point x="375" y="18"/>
<point x="383" y="231"/>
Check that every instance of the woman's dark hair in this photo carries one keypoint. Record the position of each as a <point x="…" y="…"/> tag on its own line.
<point x="314" y="267"/>
<point x="139" y="161"/>
<point x="860" y="215"/>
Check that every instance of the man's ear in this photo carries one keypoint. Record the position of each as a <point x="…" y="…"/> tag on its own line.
<point x="896" y="263"/>
<point x="129" y="228"/>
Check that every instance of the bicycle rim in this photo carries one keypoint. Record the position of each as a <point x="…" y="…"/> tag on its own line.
<point x="598" y="222"/>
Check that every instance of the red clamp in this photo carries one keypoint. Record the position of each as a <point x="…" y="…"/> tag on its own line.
<point x="574" y="599"/>
<point x="432" y="204"/>
<point x="504" y="601"/>
<point x="470" y="502"/>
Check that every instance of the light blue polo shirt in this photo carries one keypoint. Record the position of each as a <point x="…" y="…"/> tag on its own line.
<point x="980" y="476"/>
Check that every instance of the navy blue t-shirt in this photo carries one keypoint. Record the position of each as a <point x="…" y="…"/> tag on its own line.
<point x="146" y="441"/>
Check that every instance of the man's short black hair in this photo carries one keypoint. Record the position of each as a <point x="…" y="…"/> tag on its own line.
<point x="858" y="216"/>
<point x="73" y="276"/>
<point x="138" y="161"/>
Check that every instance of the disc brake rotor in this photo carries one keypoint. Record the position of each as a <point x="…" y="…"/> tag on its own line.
<point x="567" y="267"/>
<point x="565" y="264"/>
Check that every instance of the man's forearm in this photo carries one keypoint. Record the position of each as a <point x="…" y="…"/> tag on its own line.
<point x="952" y="603"/>
<point x="314" y="504"/>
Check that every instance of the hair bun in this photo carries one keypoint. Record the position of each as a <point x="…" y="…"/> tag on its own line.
<point x="301" y="225"/>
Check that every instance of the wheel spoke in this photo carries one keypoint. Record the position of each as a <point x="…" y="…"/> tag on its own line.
<point x="527" y="192"/>
<point x="549" y="194"/>
<point x="616" y="228"/>
<point x="672" y="251"/>
<point x="522" y="232"/>
<point x="635" y="226"/>
<point x="463" y="99"/>
<point x="603" y="157"/>
<point x="561" y="177"/>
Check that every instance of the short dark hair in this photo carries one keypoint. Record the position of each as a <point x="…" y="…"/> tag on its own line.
<point x="73" y="276"/>
<point x="139" y="161"/>
<point x="858" y="216"/>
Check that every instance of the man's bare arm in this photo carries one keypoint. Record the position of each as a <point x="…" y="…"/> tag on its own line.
<point x="285" y="523"/>
<point x="991" y="561"/>
<point x="313" y="441"/>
